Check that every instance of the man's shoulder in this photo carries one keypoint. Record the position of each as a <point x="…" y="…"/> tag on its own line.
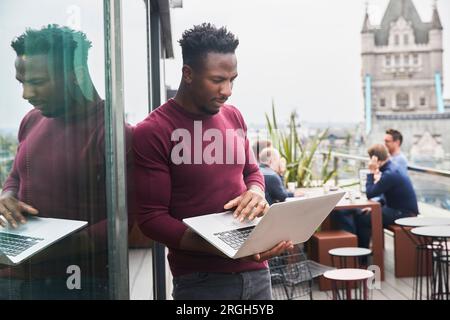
<point x="268" y="172"/>
<point x="29" y="121"/>
<point x="393" y="171"/>
<point x="232" y="113"/>
<point x="155" y="130"/>
<point x="33" y="114"/>
<point x="400" y="157"/>
<point x="156" y="120"/>
<point x="229" y="109"/>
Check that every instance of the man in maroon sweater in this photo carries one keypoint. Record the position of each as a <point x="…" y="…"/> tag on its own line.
<point x="192" y="157"/>
<point x="59" y="168"/>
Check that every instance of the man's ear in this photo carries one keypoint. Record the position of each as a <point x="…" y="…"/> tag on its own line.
<point x="187" y="74"/>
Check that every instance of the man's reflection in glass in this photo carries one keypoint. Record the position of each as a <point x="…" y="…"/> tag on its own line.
<point x="59" y="169"/>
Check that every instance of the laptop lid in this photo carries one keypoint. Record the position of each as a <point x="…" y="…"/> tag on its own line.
<point x="295" y="220"/>
<point x="21" y="243"/>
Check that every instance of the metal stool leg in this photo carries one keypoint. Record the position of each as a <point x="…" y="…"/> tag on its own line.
<point x="417" y="274"/>
<point x="348" y="289"/>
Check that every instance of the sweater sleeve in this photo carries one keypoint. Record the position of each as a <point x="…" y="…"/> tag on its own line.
<point x="12" y="183"/>
<point x="153" y="185"/>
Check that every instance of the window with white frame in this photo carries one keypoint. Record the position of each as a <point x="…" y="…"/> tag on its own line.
<point x="405" y="39"/>
<point x="402" y="100"/>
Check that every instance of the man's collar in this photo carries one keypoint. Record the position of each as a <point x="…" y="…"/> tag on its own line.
<point x="385" y="166"/>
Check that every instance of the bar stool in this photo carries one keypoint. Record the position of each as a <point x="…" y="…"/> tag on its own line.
<point x="343" y="255"/>
<point x="435" y="241"/>
<point x="423" y="252"/>
<point x="343" y="280"/>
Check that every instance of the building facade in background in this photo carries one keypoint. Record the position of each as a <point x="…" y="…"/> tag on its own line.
<point x="402" y="81"/>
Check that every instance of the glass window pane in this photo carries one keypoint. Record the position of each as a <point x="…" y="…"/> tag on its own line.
<point x="52" y="125"/>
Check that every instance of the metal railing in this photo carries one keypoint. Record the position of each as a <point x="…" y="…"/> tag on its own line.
<point x="337" y="155"/>
<point x="432" y="186"/>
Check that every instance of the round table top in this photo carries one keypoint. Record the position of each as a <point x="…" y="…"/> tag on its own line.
<point x="350" y="252"/>
<point x="422" y="221"/>
<point x="348" y="274"/>
<point x="432" y="231"/>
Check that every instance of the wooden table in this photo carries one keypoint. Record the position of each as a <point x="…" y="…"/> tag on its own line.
<point x="375" y="217"/>
<point x="377" y="226"/>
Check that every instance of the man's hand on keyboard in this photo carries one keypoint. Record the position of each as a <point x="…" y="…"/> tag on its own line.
<point x="13" y="209"/>
<point x="251" y="204"/>
<point x="275" y="251"/>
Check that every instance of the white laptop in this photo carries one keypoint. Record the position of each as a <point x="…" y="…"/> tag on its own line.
<point x="17" y="245"/>
<point x="295" y="220"/>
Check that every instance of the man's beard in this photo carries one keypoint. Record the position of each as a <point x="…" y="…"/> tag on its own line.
<point x="205" y="110"/>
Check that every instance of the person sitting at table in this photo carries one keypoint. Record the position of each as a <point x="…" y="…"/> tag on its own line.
<point x="269" y="164"/>
<point x="259" y="146"/>
<point x="393" y="184"/>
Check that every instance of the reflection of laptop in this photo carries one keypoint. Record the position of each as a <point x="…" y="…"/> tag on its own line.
<point x="295" y="220"/>
<point x="17" y="245"/>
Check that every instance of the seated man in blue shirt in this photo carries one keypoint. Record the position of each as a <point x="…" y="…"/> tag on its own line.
<point x="391" y="181"/>
<point x="269" y="164"/>
<point x="393" y="141"/>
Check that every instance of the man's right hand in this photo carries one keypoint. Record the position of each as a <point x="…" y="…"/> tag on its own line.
<point x="13" y="209"/>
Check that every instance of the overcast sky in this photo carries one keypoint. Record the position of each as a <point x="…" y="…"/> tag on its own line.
<point x="305" y="54"/>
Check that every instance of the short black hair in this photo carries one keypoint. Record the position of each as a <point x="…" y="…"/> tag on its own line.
<point x="396" y="135"/>
<point x="66" y="47"/>
<point x="197" y="42"/>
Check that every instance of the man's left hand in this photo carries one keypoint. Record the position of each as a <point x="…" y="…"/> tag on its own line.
<point x="251" y="204"/>
<point x="373" y="164"/>
<point x="275" y="251"/>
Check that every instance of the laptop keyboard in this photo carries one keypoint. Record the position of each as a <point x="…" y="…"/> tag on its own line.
<point x="235" y="238"/>
<point x="13" y="244"/>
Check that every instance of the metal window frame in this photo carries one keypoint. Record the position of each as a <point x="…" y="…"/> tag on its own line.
<point x="115" y="154"/>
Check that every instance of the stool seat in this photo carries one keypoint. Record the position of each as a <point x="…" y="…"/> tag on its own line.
<point x="422" y="221"/>
<point x="350" y="252"/>
<point x="348" y="274"/>
<point x="432" y="231"/>
<point x="434" y="244"/>
<point x="323" y="241"/>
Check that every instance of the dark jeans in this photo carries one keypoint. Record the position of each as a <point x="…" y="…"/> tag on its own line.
<point x="52" y="289"/>
<point x="249" y="285"/>
<point x="357" y="222"/>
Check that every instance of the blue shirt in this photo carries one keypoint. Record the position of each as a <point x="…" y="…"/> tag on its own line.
<point x="401" y="161"/>
<point x="396" y="187"/>
<point x="275" y="190"/>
